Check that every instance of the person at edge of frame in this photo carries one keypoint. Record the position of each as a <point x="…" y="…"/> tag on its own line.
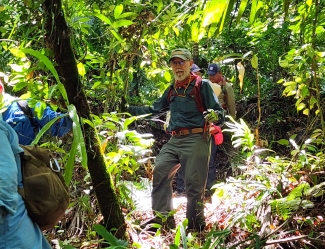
<point x="27" y="125"/>
<point x="17" y="230"/>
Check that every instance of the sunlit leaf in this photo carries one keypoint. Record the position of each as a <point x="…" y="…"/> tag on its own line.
<point x="301" y="106"/>
<point x="49" y="66"/>
<point x="17" y="52"/>
<point x="241" y="10"/>
<point x="176" y="30"/>
<point x="126" y="14"/>
<point x="103" y="18"/>
<point x="167" y="76"/>
<point x="247" y="54"/>
<point x="103" y="146"/>
<point x="78" y="135"/>
<point x="241" y="73"/>
<point x="195" y="32"/>
<point x="304" y="90"/>
<point x="213" y="12"/>
<point x="69" y="167"/>
<point x="254" y="61"/>
<point x="118" y="11"/>
<point x="17" y="68"/>
<point x="312" y="102"/>
<point x="96" y="84"/>
<point x="290" y="83"/>
<point x="122" y="23"/>
<point x="228" y="8"/>
<point x="81" y="69"/>
<point x="116" y="35"/>
<point x="256" y="5"/>
<point x="283" y="142"/>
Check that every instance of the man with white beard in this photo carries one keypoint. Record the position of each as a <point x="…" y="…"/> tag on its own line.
<point x="188" y="146"/>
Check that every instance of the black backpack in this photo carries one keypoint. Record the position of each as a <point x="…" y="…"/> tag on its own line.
<point x="45" y="193"/>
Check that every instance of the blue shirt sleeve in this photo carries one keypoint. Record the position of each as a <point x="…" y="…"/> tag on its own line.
<point x="60" y="128"/>
<point x="8" y="168"/>
<point x="159" y="106"/>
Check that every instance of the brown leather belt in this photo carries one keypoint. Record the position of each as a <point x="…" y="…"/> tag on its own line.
<point x="184" y="132"/>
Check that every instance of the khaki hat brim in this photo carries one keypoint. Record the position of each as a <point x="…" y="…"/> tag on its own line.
<point x="179" y="56"/>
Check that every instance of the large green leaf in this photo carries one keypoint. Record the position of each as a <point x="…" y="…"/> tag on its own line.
<point x="226" y="13"/>
<point x="254" y="61"/>
<point x="122" y="23"/>
<point x="241" y="10"/>
<point x="78" y="145"/>
<point x="78" y="135"/>
<point x="116" y="35"/>
<point x="52" y="69"/>
<point x="118" y="11"/>
<point x="213" y="12"/>
<point x="105" y="19"/>
<point x="70" y="162"/>
<point x="126" y="14"/>
<point x="45" y="128"/>
<point x="256" y="5"/>
<point x="110" y="238"/>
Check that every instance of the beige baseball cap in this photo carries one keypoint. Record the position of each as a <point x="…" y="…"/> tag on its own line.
<point x="182" y="53"/>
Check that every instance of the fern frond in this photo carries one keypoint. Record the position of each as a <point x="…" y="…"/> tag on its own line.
<point x="284" y="207"/>
<point x="298" y="191"/>
<point x="316" y="191"/>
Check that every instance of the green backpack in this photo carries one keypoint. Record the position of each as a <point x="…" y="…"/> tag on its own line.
<point x="45" y="193"/>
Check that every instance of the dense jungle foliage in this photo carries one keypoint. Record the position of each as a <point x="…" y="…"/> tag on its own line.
<point x="91" y="57"/>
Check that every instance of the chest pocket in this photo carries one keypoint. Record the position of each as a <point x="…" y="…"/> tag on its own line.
<point x="184" y="105"/>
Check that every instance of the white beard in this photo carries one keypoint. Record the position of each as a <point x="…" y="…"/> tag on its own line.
<point x="181" y="74"/>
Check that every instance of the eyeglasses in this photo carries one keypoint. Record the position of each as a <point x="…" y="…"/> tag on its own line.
<point x="175" y="63"/>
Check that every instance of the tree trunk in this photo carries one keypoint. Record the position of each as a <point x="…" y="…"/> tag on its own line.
<point x="196" y="53"/>
<point x="58" y="39"/>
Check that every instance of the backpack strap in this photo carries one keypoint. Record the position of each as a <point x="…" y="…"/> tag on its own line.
<point x="23" y="105"/>
<point x="225" y="97"/>
<point x="196" y="91"/>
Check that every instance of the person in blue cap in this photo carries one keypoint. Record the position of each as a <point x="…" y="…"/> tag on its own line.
<point x="227" y="100"/>
<point x="227" y="95"/>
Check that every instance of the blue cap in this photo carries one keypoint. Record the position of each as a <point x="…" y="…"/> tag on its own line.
<point x="213" y="69"/>
<point x="195" y="68"/>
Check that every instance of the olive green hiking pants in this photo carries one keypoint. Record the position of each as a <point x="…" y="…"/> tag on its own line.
<point x="192" y="152"/>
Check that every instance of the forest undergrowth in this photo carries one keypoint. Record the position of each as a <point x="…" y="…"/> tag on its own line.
<point x="263" y="199"/>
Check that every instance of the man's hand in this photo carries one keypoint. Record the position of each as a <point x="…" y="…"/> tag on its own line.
<point x="210" y="116"/>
